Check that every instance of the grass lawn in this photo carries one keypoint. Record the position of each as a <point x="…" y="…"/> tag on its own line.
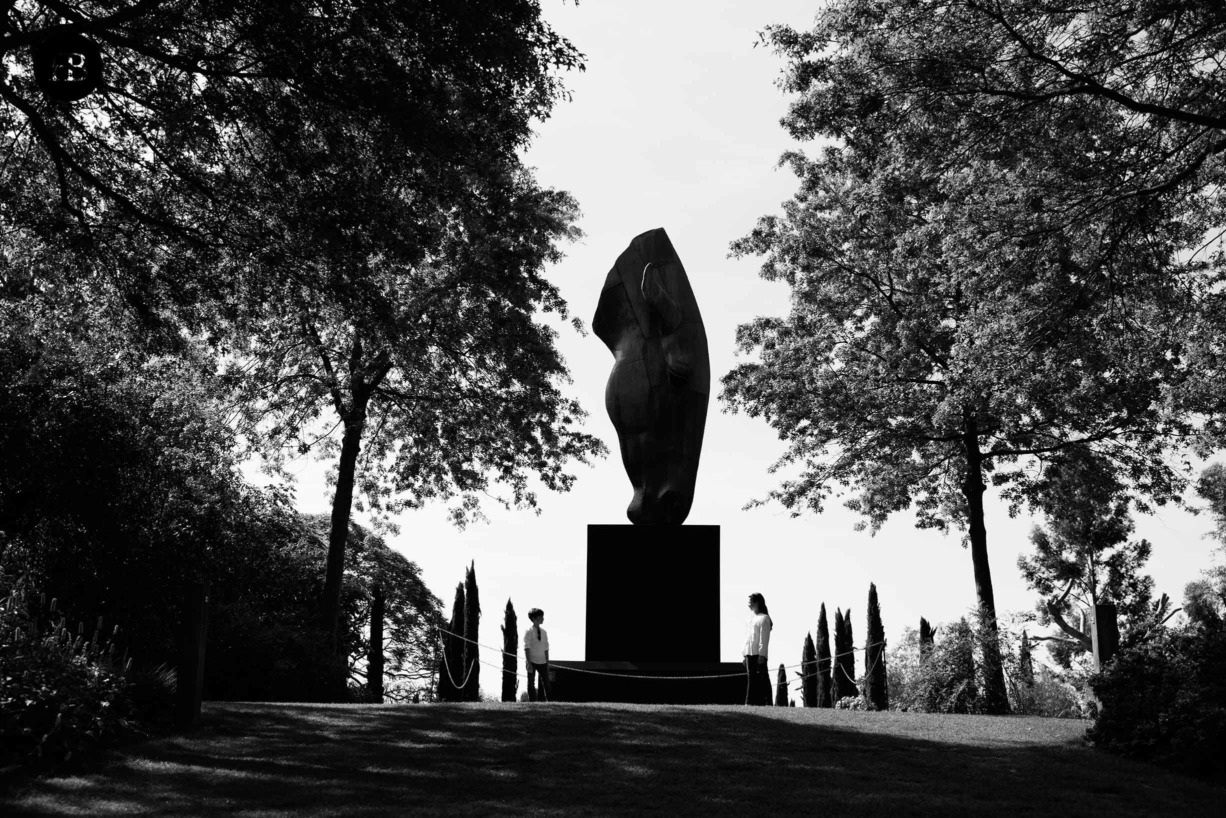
<point x="559" y="759"/>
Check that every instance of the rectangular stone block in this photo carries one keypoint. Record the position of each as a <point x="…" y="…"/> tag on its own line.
<point x="652" y="594"/>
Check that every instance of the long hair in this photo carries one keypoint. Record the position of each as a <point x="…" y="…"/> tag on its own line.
<point x="761" y="600"/>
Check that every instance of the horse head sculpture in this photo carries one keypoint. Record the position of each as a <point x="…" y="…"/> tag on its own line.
<point x="661" y="380"/>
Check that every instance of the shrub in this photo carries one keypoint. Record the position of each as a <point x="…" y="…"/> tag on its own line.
<point x="1057" y="696"/>
<point x="852" y="703"/>
<point x="60" y="692"/>
<point x="947" y="677"/>
<point x="1165" y="701"/>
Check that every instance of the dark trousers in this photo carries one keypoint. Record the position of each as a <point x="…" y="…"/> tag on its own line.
<point x="533" y="669"/>
<point x="758" y="683"/>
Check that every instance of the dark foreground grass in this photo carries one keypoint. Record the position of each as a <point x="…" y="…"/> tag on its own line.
<point x="494" y="759"/>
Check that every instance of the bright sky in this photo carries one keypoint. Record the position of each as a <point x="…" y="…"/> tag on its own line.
<point x="675" y="124"/>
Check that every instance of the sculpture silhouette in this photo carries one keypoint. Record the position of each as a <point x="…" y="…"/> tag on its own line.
<point x="661" y="379"/>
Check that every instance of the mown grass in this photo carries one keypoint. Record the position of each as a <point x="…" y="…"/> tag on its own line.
<point x="556" y="759"/>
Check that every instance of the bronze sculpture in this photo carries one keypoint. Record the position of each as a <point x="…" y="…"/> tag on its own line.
<point x="661" y="380"/>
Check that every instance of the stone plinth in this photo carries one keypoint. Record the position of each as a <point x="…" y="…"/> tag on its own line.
<point x="653" y="594"/>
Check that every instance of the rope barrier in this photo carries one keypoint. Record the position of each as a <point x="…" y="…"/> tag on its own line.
<point x="804" y="676"/>
<point x="575" y="669"/>
<point x="630" y="675"/>
<point x="451" y="676"/>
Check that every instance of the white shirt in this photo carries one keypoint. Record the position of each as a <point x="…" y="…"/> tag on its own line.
<point x="757" y="635"/>
<point x="536" y="648"/>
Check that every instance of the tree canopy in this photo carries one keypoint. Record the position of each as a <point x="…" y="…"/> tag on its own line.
<point x="1085" y="555"/>
<point x="970" y="294"/>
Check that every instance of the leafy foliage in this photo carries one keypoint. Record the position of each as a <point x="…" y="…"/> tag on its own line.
<point x="118" y="484"/>
<point x="1085" y="558"/>
<point x="1205" y="598"/>
<point x="61" y="693"/>
<point x="206" y="106"/>
<point x="949" y="675"/>
<point x="971" y="292"/>
<point x="1165" y="700"/>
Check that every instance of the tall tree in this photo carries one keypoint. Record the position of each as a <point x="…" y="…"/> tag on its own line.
<point x="952" y="322"/>
<point x="472" y="650"/>
<point x="808" y="673"/>
<point x="452" y="682"/>
<point x="193" y="91"/>
<point x="846" y="663"/>
<point x="825" y="686"/>
<point x="510" y="654"/>
<point x="332" y="197"/>
<point x="442" y="381"/>
<point x="781" y="687"/>
<point x="842" y="681"/>
<point x="875" y="687"/>
<point x="1205" y="598"/>
<point x="412" y="614"/>
<point x="1085" y="556"/>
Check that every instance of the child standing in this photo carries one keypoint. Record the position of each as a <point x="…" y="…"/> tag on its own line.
<point x="536" y="651"/>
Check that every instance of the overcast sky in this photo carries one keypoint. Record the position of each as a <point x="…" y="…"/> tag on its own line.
<point x="675" y="124"/>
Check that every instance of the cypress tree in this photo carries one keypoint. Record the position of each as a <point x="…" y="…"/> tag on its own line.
<point x="876" y="689"/>
<point x="451" y="673"/>
<point x="927" y="638"/>
<point x="824" y="689"/>
<point x="781" y="687"/>
<point x="840" y="684"/>
<point x="510" y="654"/>
<point x="846" y="663"/>
<point x="472" y="655"/>
<point x="808" y="673"/>
<point x="1025" y="662"/>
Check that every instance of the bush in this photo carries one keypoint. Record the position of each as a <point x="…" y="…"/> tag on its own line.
<point x="853" y="703"/>
<point x="60" y="693"/>
<point x="947" y="682"/>
<point x="1165" y="701"/>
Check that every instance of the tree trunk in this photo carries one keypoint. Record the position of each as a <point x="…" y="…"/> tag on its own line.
<point x="374" y="661"/>
<point x="342" y="506"/>
<point x="996" y="698"/>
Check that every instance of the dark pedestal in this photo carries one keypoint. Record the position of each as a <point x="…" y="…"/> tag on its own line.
<point x="649" y="682"/>
<point x="652" y="620"/>
<point x="653" y="594"/>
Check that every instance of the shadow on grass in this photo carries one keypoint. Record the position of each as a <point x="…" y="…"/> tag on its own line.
<point x="598" y="759"/>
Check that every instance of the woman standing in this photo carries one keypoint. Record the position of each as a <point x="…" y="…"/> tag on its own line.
<point x="757" y="639"/>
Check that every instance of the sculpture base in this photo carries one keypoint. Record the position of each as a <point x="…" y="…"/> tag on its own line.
<point x="653" y="594"/>
<point x="649" y="682"/>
